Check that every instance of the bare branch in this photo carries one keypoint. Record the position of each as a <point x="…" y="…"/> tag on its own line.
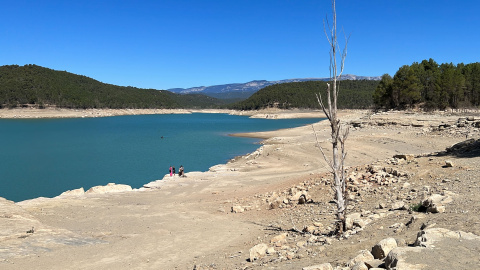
<point x="321" y="149"/>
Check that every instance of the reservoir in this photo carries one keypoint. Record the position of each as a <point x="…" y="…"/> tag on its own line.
<point x="45" y="157"/>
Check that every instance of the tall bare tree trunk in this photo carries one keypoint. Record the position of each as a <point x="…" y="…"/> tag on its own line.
<point x="338" y="134"/>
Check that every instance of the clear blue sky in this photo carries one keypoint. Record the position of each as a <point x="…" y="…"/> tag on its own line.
<point x="164" y="44"/>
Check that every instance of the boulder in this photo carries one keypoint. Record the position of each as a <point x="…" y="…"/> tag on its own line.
<point x="381" y="250"/>
<point x="258" y="252"/>
<point x="375" y="264"/>
<point x="396" y="259"/>
<point x="363" y="256"/>
<point x="359" y="266"/>
<point x="448" y="163"/>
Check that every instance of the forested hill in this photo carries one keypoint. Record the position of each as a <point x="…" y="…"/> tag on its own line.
<point x="355" y="94"/>
<point x="39" y="86"/>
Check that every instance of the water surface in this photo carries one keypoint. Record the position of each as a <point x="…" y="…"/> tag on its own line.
<point x="44" y="157"/>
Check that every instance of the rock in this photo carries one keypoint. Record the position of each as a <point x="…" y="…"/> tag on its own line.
<point x="275" y="204"/>
<point x="73" y="193"/>
<point x="354" y="215"/>
<point x="352" y="220"/>
<point x="270" y="250"/>
<point x="404" y="156"/>
<point x="381" y="250"/>
<point x="448" y="163"/>
<point x="396" y="259"/>
<point x="428" y="237"/>
<point x="435" y="203"/>
<point x="301" y="244"/>
<point x="348" y="223"/>
<point x="375" y="264"/>
<point x="109" y="188"/>
<point x="358" y="222"/>
<point x="359" y="266"/>
<point x="258" y="252"/>
<point x="237" y="209"/>
<point x="363" y="256"/>
<point x="436" y="247"/>
<point x="382" y="205"/>
<point x="281" y="238"/>
<point x="325" y="266"/>
<point x="398" y="205"/>
<point x="436" y="209"/>
<point x="301" y="197"/>
<point x="309" y="229"/>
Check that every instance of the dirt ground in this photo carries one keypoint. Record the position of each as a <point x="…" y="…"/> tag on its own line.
<point x="188" y="223"/>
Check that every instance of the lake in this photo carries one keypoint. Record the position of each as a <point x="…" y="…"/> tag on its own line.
<point x="45" y="157"/>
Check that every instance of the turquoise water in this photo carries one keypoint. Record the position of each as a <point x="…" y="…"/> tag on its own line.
<point x="45" y="157"/>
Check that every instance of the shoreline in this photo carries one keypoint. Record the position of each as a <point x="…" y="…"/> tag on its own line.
<point x="52" y="112"/>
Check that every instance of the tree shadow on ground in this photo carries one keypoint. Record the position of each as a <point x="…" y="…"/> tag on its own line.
<point x="467" y="149"/>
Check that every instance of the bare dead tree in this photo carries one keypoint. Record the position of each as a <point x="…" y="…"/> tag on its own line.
<point x="339" y="134"/>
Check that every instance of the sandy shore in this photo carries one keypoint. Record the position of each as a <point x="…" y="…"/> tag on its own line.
<point x="178" y="223"/>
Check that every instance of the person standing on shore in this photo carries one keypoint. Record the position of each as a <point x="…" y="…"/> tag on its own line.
<point x="171" y="171"/>
<point x="180" y="171"/>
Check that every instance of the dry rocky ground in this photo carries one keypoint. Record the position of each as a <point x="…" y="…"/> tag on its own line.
<point x="401" y="199"/>
<point x="412" y="196"/>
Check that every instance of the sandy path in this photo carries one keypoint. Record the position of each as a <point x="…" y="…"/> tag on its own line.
<point x="188" y="220"/>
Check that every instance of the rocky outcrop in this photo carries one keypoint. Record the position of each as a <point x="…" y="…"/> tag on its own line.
<point x="434" y="244"/>
<point x="72" y="193"/>
<point x="109" y="188"/>
<point x="22" y="234"/>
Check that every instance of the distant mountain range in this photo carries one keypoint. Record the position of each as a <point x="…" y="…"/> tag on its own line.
<point x="244" y="90"/>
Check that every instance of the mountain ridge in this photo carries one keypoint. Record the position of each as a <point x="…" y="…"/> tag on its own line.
<point x="255" y="85"/>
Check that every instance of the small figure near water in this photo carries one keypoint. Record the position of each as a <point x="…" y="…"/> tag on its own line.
<point x="180" y="171"/>
<point x="171" y="171"/>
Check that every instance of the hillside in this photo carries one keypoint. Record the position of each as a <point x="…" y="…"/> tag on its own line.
<point x="39" y="86"/>
<point x="354" y="94"/>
